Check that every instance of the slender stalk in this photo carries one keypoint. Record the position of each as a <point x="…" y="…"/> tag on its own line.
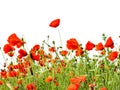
<point x="3" y="57"/>
<point x="60" y="36"/>
<point x="46" y="43"/>
<point x="2" y="54"/>
<point x="24" y="39"/>
<point x="31" y="70"/>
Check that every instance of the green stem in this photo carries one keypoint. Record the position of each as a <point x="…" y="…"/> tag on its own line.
<point x="2" y="54"/>
<point x="60" y="36"/>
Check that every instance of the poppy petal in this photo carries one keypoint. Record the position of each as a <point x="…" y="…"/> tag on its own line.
<point x="55" y="23"/>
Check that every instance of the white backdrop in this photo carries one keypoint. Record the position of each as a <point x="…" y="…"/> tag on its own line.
<point x="82" y="19"/>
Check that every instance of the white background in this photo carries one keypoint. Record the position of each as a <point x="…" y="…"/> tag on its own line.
<point x="81" y="19"/>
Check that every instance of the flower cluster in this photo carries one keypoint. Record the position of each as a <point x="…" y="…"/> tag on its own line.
<point x="60" y="69"/>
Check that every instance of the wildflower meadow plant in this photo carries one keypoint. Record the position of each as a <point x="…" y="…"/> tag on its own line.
<point x="60" y="69"/>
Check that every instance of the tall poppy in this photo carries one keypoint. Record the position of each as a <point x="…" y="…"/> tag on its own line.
<point x="99" y="46"/>
<point x="34" y="52"/>
<point x="35" y="56"/>
<point x="89" y="46"/>
<point x="113" y="55"/>
<point x="72" y="44"/>
<point x="55" y="23"/>
<point x="109" y="43"/>
<point x="7" y="48"/>
<point x="15" y="41"/>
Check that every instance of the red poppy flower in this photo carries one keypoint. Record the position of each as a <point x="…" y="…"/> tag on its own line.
<point x="18" y="66"/>
<point x="73" y="86"/>
<point x="42" y="63"/>
<point x="63" y="52"/>
<point x="36" y="47"/>
<point x="31" y="86"/>
<point x="26" y="63"/>
<point x="12" y="73"/>
<point x="16" y="88"/>
<point x="3" y="74"/>
<point x="7" y="48"/>
<point x="103" y="88"/>
<point x="72" y="44"/>
<point x="1" y="82"/>
<point x="22" y="53"/>
<point x="89" y="46"/>
<point x="19" y="81"/>
<point x="14" y="40"/>
<point x="113" y="55"/>
<point x="49" y="79"/>
<point x="109" y="43"/>
<point x="78" y="79"/>
<point x="52" y="49"/>
<point x="75" y="80"/>
<point x="103" y="52"/>
<point x="35" y="56"/>
<point x="82" y="78"/>
<point x="11" y="53"/>
<point x="79" y="51"/>
<point x="99" y="46"/>
<point x="55" y="23"/>
<point x="20" y="43"/>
